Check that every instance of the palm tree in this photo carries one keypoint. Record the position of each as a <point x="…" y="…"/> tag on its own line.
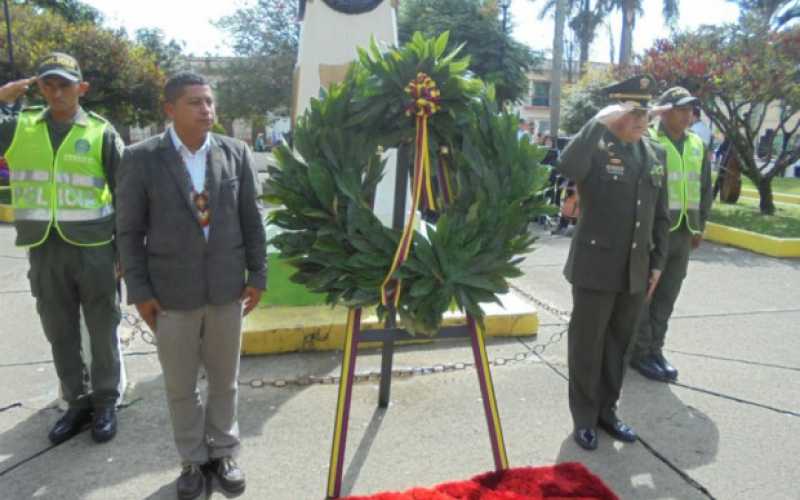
<point x="776" y="12"/>
<point x="630" y="9"/>
<point x="555" y="74"/>
<point x="585" y="17"/>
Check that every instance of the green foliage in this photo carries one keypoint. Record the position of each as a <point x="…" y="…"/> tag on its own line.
<point x="740" y="72"/>
<point x="583" y="100"/>
<point x="494" y="56"/>
<point x="332" y="236"/>
<point x="125" y="79"/>
<point x="266" y="35"/>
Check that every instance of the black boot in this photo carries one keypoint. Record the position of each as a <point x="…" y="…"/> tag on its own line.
<point x="670" y="372"/>
<point x="73" y="422"/>
<point x="104" y="425"/>
<point x="649" y="367"/>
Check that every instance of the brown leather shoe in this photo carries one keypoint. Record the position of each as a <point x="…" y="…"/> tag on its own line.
<point x="191" y="483"/>
<point x="230" y="476"/>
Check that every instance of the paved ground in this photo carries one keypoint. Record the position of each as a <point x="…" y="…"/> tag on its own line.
<point x="729" y="430"/>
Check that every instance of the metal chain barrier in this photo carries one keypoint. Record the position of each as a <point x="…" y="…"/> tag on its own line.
<point x="140" y="328"/>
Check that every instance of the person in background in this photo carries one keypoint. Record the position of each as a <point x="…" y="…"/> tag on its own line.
<point x="689" y="187"/>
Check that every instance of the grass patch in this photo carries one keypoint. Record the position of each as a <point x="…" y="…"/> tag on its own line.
<point x="745" y="215"/>
<point x="281" y="291"/>
<point x="783" y="185"/>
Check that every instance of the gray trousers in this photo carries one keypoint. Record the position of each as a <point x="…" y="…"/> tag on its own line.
<point x="210" y="337"/>
<point x="600" y="333"/>
<point x="66" y="279"/>
<point x="652" y="329"/>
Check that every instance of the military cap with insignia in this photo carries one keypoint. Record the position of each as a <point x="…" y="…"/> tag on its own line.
<point x="636" y="91"/>
<point x="675" y="97"/>
<point x="60" y="64"/>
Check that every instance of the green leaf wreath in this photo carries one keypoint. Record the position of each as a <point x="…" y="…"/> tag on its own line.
<point x="472" y="244"/>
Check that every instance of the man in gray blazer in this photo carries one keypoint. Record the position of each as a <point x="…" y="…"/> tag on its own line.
<point x="193" y="253"/>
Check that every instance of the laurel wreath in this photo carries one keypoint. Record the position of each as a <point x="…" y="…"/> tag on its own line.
<point x="480" y="188"/>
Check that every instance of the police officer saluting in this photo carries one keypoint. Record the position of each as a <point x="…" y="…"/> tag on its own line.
<point x="689" y="186"/>
<point x="62" y="162"/>
<point x="617" y="253"/>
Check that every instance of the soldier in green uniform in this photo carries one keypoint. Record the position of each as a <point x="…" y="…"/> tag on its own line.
<point x="690" y="196"/>
<point x="62" y="163"/>
<point x="618" y="251"/>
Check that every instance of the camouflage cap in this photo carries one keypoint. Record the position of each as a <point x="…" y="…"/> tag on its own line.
<point x="637" y="91"/>
<point x="60" y="64"/>
<point x="677" y="96"/>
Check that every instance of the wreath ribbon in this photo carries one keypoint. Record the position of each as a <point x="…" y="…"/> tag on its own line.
<point x="424" y="103"/>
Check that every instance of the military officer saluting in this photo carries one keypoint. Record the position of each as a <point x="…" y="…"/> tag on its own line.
<point x="690" y="196"/>
<point x="62" y="163"/>
<point x="618" y="251"/>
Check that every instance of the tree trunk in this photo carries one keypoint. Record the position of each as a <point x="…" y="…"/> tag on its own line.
<point x="558" y="62"/>
<point x="766" y="203"/>
<point x="626" y="42"/>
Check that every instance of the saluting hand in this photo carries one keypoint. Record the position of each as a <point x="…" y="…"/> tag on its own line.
<point x="12" y="90"/>
<point x="612" y="113"/>
<point x="655" y="275"/>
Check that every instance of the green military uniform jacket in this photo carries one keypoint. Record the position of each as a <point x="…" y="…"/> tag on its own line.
<point x="623" y="230"/>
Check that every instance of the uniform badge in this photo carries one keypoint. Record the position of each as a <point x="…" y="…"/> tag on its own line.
<point x="615" y="169"/>
<point x="82" y="146"/>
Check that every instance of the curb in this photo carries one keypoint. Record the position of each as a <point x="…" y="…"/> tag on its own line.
<point x="755" y="242"/>
<point x="6" y="213"/>
<point x="779" y="197"/>
<point x="282" y="329"/>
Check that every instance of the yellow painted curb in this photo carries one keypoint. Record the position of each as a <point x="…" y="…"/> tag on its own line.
<point x="755" y="242"/>
<point x="779" y="197"/>
<point x="269" y="330"/>
<point x="6" y="213"/>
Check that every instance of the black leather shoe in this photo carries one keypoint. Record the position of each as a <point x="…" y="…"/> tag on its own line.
<point x="618" y="430"/>
<point x="230" y="476"/>
<point x="104" y="424"/>
<point x="191" y="483"/>
<point x="73" y="422"/>
<point x="586" y="438"/>
<point x="670" y="372"/>
<point x="649" y="367"/>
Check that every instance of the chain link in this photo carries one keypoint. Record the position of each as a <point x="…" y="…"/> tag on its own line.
<point x="140" y="328"/>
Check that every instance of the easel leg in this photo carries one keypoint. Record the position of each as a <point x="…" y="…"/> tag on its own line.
<point x="343" y="405"/>
<point x="487" y="393"/>
<point x="387" y="358"/>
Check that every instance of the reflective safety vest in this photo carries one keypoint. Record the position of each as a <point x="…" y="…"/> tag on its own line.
<point x="65" y="189"/>
<point x="684" y="179"/>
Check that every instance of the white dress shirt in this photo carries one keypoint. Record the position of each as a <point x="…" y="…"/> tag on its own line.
<point x="195" y="163"/>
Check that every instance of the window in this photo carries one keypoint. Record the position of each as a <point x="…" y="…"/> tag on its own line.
<point x="541" y="94"/>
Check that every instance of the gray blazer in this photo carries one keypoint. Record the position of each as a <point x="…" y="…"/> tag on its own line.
<point x="163" y="252"/>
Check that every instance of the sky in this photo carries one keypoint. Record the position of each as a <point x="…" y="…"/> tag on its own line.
<point x="190" y="21"/>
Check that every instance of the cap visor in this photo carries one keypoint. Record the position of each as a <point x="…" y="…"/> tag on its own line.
<point x="686" y="101"/>
<point x="60" y="73"/>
